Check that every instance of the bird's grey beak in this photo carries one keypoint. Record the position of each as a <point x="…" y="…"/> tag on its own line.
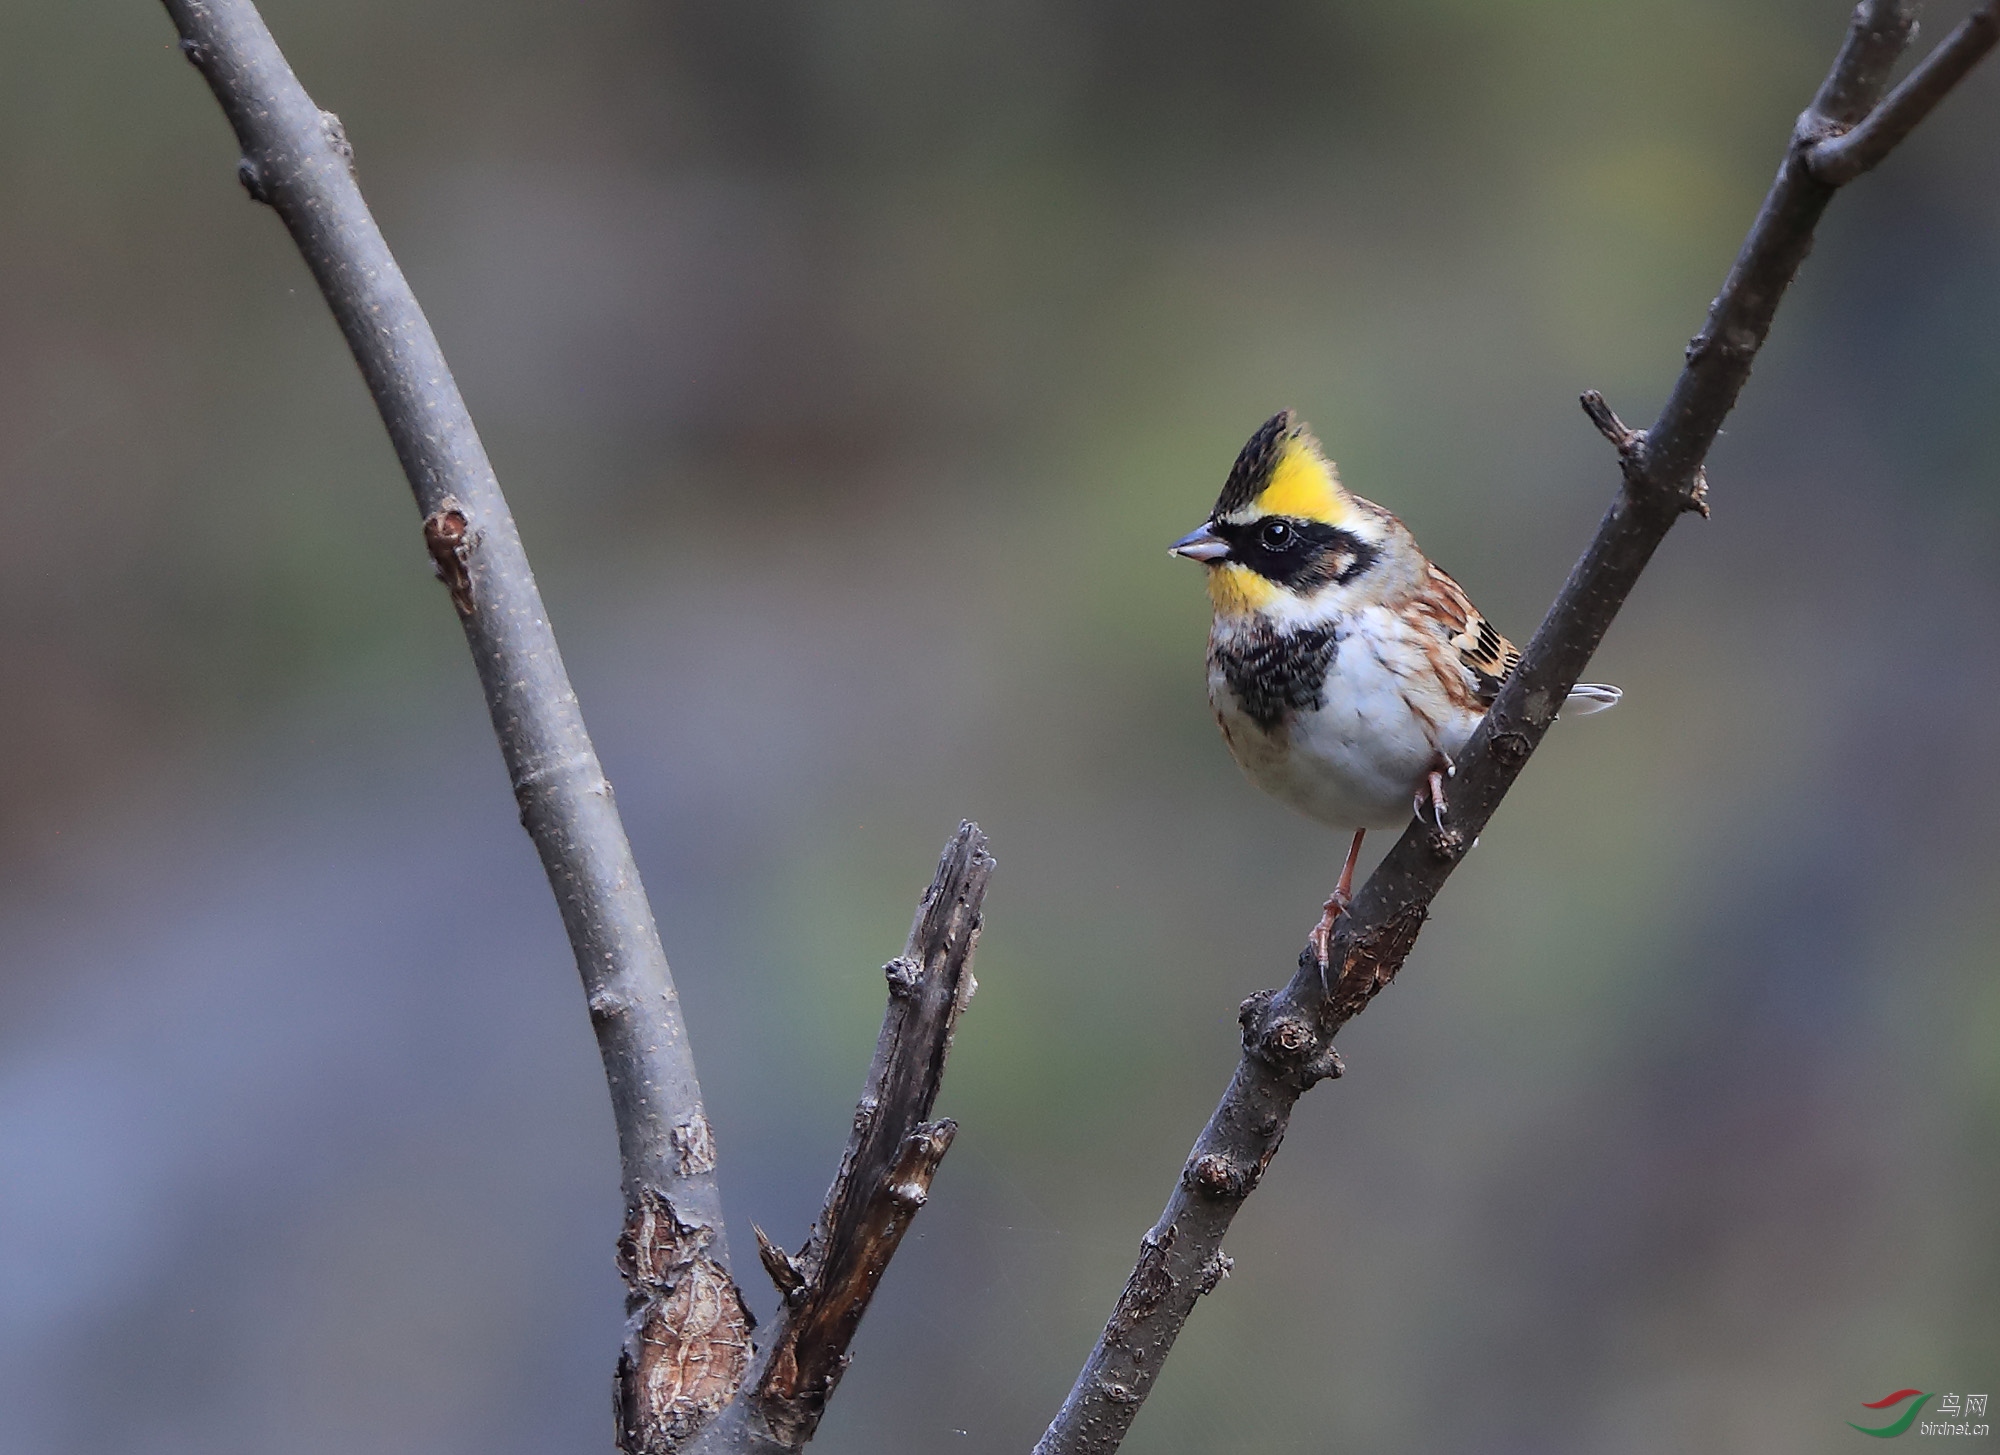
<point x="1200" y="544"/>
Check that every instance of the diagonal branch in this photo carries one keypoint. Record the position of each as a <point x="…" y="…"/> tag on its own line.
<point x="885" y="1173"/>
<point x="1288" y="1034"/>
<point x="296" y="158"/>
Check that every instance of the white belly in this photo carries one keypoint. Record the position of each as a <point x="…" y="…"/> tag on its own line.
<point x="1358" y="760"/>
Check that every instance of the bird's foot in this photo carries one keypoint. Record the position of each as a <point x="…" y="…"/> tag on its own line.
<point x="1335" y="906"/>
<point x="1431" y="803"/>
<point x="1322" y="933"/>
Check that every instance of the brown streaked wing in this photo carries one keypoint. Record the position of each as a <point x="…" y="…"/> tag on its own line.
<point x="1486" y="655"/>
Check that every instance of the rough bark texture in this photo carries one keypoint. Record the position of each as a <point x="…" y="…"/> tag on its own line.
<point x="884" y="1177"/>
<point x="689" y="1329"/>
<point x="1288" y="1034"/>
<point x="687" y="1340"/>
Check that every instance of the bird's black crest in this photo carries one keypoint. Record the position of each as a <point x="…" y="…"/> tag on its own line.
<point x="1252" y="470"/>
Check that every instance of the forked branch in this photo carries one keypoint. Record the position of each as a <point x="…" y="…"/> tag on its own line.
<point x="1288" y="1035"/>
<point x="687" y="1356"/>
<point x="1840" y="159"/>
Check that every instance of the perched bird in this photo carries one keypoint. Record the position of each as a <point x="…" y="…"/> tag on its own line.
<point x="1346" y="670"/>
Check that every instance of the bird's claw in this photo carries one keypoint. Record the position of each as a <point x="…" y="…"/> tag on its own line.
<point x="1321" y="937"/>
<point x="1433" y="798"/>
<point x="1336" y="905"/>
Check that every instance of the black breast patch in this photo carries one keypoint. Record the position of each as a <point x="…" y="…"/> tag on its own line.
<point x="1274" y="674"/>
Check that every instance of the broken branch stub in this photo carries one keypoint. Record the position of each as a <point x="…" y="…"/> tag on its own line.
<point x="885" y="1172"/>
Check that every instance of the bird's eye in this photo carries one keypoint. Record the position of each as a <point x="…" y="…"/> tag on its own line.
<point x="1275" y="536"/>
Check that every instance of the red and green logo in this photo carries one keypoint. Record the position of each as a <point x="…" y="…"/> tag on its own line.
<point x="1908" y="1417"/>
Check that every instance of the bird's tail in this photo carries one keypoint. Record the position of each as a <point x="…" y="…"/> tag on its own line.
<point x="1588" y="697"/>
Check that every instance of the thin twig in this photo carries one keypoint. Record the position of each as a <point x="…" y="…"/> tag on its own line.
<point x="1840" y="159"/>
<point x="1625" y="439"/>
<point x="1288" y="1035"/>
<point x="884" y="1177"/>
<point x="297" y="159"/>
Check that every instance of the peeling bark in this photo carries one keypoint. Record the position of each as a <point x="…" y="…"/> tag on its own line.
<point x="687" y="1332"/>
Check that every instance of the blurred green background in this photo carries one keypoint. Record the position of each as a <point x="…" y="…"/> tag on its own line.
<point x="849" y="367"/>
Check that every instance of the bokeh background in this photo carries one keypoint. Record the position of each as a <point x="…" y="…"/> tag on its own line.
<point x="849" y="367"/>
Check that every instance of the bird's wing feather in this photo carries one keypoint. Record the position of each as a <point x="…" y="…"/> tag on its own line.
<point x="1486" y="656"/>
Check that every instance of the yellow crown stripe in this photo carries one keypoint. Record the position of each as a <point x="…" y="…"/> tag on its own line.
<point x="1304" y="486"/>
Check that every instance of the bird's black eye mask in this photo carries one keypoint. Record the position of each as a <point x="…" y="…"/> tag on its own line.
<point x="1302" y="555"/>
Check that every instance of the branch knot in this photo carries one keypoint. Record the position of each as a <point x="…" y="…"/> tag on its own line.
<point x="1696" y="502"/>
<point x="1286" y="1040"/>
<point x="1217" y="1178"/>
<point x="1447" y="844"/>
<point x="448" y="537"/>
<point x="1214" y="1271"/>
<point x="1510" y="746"/>
<point x="1290" y="1043"/>
<point x="252" y="178"/>
<point x="336" y="137"/>
<point x="904" y="975"/>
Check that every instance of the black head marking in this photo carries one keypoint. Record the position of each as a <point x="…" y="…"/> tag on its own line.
<point x="1301" y="554"/>
<point x="1253" y="467"/>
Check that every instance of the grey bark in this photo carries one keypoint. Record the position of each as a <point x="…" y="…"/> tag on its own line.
<point x="687" y="1354"/>
<point x="1842" y="158"/>
<point x="297" y="159"/>
<point x="1288" y="1034"/>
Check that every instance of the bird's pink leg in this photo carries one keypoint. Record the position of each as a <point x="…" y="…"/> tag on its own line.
<point x="1437" y="796"/>
<point x="1334" y="908"/>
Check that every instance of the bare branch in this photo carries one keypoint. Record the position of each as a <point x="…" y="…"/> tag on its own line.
<point x="1287" y="1035"/>
<point x="1631" y="446"/>
<point x="885" y="1173"/>
<point x="296" y="158"/>
<point x="1877" y="34"/>
<point x="1840" y="159"/>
